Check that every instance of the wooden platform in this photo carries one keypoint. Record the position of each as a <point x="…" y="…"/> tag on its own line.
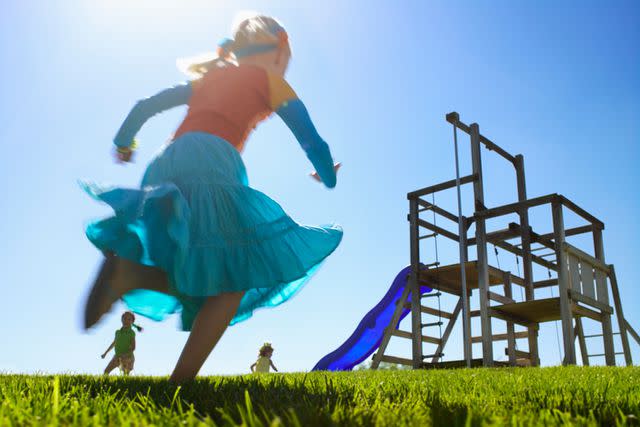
<point x="447" y="278"/>
<point x="537" y="311"/>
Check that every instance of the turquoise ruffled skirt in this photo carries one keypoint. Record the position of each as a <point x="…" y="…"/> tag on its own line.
<point x="196" y="218"/>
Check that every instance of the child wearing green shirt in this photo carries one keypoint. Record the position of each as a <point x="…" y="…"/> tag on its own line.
<point x="124" y="344"/>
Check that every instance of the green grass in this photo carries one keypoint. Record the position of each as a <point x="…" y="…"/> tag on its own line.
<point x="518" y="397"/>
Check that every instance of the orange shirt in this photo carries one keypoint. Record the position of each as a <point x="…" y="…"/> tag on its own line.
<point x="230" y="101"/>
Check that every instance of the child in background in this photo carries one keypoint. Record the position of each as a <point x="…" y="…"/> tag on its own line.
<point x="264" y="361"/>
<point x="125" y="344"/>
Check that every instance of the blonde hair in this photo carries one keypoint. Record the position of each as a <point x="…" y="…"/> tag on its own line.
<point x="253" y="30"/>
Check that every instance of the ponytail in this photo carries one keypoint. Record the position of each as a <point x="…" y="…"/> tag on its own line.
<point x="139" y="328"/>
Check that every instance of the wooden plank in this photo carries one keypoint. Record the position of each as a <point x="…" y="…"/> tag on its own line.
<point x="481" y="248"/>
<point x="442" y="186"/>
<point x="563" y="285"/>
<point x="586" y="277"/>
<point x="603" y="297"/>
<point x="408" y="335"/>
<point x="545" y="283"/>
<point x="414" y="285"/>
<point x="570" y="232"/>
<point x="395" y="319"/>
<point x="514" y="207"/>
<point x="632" y="331"/>
<point x="454" y="119"/>
<point x="516" y="251"/>
<point x="523" y="354"/>
<point x="397" y="360"/>
<point x="511" y="336"/>
<point x="438" y="210"/>
<point x="500" y="298"/>
<point x="535" y="311"/>
<point x="502" y="337"/>
<point x="605" y="308"/>
<point x="622" y="323"/>
<point x="579" y="332"/>
<point x="574" y="274"/>
<point x="583" y="256"/>
<point x="581" y="212"/>
<point x="432" y="311"/>
<point x="436" y="229"/>
<point x="585" y="312"/>
<point x="448" y="329"/>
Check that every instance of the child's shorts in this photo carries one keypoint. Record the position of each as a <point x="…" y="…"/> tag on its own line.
<point x="125" y="363"/>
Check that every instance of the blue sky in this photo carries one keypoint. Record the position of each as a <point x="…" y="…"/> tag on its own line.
<point x="555" y="81"/>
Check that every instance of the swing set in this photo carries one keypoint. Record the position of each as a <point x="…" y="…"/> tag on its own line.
<point x="585" y="283"/>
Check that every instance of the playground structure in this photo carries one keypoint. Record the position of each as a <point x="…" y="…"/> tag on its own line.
<point x="582" y="281"/>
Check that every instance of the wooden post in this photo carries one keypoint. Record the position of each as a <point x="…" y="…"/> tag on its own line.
<point x="377" y="358"/>
<point x="481" y="245"/>
<point x="526" y="253"/>
<point x="602" y="296"/>
<point x="622" y="323"/>
<point x="563" y="285"/>
<point x="414" y="285"/>
<point x="579" y="331"/>
<point x="447" y="331"/>
<point x="511" y="339"/>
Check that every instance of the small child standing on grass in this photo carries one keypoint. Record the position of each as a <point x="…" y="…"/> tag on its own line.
<point x="264" y="361"/>
<point x="125" y="344"/>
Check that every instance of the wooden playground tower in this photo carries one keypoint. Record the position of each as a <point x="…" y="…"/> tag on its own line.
<point x="582" y="280"/>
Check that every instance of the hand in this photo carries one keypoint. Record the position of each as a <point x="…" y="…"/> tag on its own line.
<point x="103" y="355"/>
<point x="315" y="175"/>
<point x="123" y="157"/>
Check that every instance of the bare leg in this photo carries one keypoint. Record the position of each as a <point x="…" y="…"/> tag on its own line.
<point x="207" y="329"/>
<point x="113" y="364"/>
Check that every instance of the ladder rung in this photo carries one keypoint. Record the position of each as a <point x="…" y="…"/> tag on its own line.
<point x="602" y="354"/>
<point x="599" y="335"/>
<point x="409" y="335"/>
<point x="433" y="355"/>
<point x="433" y="264"/>
<point x="431" y="311"/>
<point x="425" y="325"/>
<point x="428" y="236"/>
<point x="437" y="294"/>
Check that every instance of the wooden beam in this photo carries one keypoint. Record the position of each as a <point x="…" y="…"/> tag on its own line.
<point x="436" y="229"/>
<point x="516" y="251"/>
<point x="545" y="283"/>
<point x="514" y="207"/>
<point x="408" y="335"/>
<point x="447" y="330"/>
<point x="508" y="317"/>
<point x="570" y="232"/>
<point x="414" y="285"/>
<point x="454" y="119"/>
<point x="438" y="210"/>
<point x="581" y="212"/>
<point x="585" y="312"/>
<point x="579" y="332"/>
<point x="432" y="311"/>
<point x="442" y="186"/>
<point x="396" y="360"/>
<point x="622" y="323"/>
<point x="632" y="331"/>
<point x="500" y="298"/>
<point x="563" y="285"/>
<point x="395" y="319"/>
<point x="605" y="308"/>
<point x="583" y="256"/>
<point x="511" y="336"/>
<point x="502" y="337"/>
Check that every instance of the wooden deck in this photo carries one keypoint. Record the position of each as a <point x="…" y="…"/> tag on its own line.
<point x="447" y="278"/>
<point x="536" y="311"/>
<point x="456" y="364"/>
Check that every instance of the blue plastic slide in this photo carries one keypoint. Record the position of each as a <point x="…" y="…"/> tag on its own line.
<point x="368" y="335"/>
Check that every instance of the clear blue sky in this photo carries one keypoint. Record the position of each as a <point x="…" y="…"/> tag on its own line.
<point x="556" y="81"/>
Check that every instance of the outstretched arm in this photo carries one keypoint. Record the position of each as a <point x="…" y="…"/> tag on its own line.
<point x="273" y="366"/>
<point x="146" y="108"/>
<point x="293" y="112"/>
<point x="253" y="366"/>
<point x="108" y="350"/>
